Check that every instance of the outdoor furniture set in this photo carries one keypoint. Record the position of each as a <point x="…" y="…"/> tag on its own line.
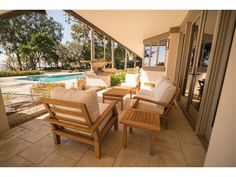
<point x="78" y="115"/>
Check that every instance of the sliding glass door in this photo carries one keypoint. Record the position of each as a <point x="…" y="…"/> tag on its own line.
<point x="196" y="64"/>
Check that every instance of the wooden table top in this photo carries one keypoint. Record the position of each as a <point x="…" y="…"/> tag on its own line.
<point x="116" y="92"/>
<point x="145" y="119"/>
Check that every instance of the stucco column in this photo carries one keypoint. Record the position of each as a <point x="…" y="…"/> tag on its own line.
<point x="3" y="117"/>
<point x="172" y="54"/>
<point x="112" y="54"/>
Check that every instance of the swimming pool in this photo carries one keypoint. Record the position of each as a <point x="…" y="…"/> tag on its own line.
<point x="53" y="78"/>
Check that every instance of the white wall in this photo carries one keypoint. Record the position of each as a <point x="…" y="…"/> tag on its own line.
<point x="172" y="56"/>
<point x="222" y="146"/>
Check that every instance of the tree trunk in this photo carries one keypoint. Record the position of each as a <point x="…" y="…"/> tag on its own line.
<point x="19" y="61"/>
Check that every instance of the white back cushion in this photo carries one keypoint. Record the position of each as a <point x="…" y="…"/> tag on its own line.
<point x="132" y="78"/>
<point x="169" y="93"/>
<point x="88" y="97"/>
<point x="159" y="81"/>
<point x="165" y="91"/>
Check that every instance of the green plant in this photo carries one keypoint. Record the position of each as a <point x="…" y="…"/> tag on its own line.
<point x="117" y="78"/>
<point x="18" y="73"/>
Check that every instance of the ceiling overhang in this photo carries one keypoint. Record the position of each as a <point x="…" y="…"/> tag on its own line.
<point x="131" y="27"/>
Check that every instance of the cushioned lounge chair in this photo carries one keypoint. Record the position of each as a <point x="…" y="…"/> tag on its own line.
<point x="132" y="82"/>
<point x="160" y="97"/>
<point x="78" y="116"/>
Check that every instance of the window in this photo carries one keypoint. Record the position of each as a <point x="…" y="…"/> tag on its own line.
<point x="155" y="54"/>
<point x="153" y="61"/>
<point x="146" y="55"/>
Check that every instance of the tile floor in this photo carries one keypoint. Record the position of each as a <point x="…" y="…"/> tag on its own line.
<point x="31" y="145"/>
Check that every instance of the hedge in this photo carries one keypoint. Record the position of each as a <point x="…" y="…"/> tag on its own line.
<point x="18" y="73"/>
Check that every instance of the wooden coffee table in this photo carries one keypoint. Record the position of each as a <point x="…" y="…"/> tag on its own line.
<point x="115" y="94"/>
<point x="143" y="119"/>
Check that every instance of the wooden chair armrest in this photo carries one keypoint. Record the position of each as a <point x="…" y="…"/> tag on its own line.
<point x="155" y="102"/>
<point x="101" y="118"/>
<point x="149" y="84"/>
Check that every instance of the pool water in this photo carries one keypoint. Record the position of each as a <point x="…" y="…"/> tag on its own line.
<point x="53" y="78"/>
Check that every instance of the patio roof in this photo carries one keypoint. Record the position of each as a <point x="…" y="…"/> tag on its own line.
<point x="131" y="27"/>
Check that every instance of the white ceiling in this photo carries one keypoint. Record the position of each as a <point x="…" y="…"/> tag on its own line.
<point x="131" y="27"/>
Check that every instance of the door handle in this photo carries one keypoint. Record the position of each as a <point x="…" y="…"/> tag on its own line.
<point x="194" y="74"/>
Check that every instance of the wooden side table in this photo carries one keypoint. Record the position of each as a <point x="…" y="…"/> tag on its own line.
<point x="115" y="94"/>
<point x="144" y="119"/>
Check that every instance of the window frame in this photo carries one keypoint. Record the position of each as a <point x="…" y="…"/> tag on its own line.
<point x="156" y="67"/>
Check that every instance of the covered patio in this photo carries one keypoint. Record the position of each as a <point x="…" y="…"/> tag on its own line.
<point x="31" y="145"/>
<point x="170" y="44"/>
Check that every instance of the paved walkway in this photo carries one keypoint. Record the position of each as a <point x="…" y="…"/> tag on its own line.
<point x="31" y="144"/>
<point x="19" y="90"/>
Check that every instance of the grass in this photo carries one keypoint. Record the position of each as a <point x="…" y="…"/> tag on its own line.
<point x="18" y="73"/>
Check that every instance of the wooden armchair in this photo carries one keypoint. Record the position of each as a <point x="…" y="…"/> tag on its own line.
<point x="162" y="107"/>
<point x="76" y="123"/>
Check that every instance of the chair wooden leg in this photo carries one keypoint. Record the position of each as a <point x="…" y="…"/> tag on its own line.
<point x="57" y="139"/>
<point x="130" y="130"/>
<point x="124" y="136"/>
<point x="116" y="124"/>
<point x="97" y="150"/>
<point x="121" y="102"/>
<point x="152" y="147"/>
<point x="166" y="124"/>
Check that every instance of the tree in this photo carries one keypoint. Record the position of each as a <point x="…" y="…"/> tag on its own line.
<point x="119" y="54"/>
<point x="80" y="33"/>
<point x="99" y="45"/>
<point x="18" y="31"/>
<point x="69" y="54"/>
<point x="40" y="47"/>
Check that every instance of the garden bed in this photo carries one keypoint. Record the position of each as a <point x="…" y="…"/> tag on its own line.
<point x="22" y="112"/>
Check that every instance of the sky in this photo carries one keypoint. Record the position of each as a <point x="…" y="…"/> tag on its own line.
<point x="59" y="16"/>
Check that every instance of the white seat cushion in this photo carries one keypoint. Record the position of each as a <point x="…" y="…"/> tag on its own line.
<point x="132" y="78"/>
<point x="144" y="92"/>
<point x="88" y="97"/>
<point x="129" y="84"/>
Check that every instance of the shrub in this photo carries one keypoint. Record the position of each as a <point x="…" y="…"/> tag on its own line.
<point x="117" y="78"/>
<point x="18" y="73"/>
<point x="44" y="89"/>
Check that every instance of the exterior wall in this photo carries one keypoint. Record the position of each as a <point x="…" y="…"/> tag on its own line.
<point x="222" y="146"/>
<point x="172" y="56"/>
<point x="3" y="118"/>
